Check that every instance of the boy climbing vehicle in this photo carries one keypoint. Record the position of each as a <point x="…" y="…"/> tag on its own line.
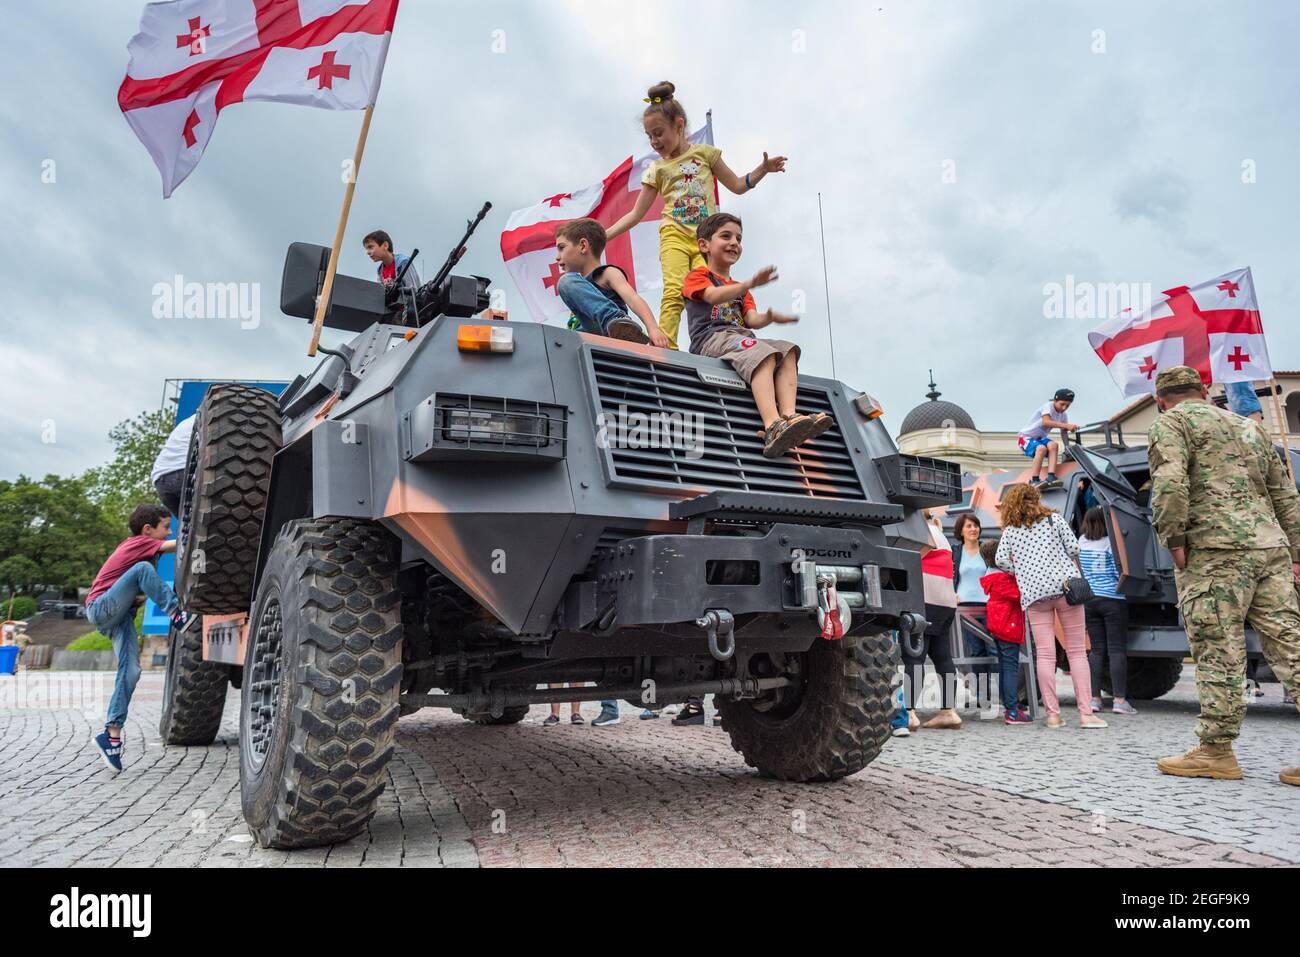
<point x="110" y="607"/>
<point x="686" y="176"/>
<point x="720" y="312"/>
<point x="1034" y="441"/>
<point x="599" y="297"/>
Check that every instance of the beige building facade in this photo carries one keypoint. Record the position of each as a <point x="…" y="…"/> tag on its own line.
<point x="945" y="430"/>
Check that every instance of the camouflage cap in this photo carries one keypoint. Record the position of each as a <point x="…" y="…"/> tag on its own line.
<point x="1176" y="376"/>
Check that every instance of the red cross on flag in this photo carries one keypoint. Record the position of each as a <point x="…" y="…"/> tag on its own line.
<point x="1214" y="327"/>
<point x="193" y="58"/>
<point x="528" y="241"/>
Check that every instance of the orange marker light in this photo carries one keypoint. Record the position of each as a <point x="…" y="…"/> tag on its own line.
<point x="868" y="407"/>
<point x="485" y="339"/>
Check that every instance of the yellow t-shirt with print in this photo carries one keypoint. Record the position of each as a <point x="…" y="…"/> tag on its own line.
<point x="687" y="185"/>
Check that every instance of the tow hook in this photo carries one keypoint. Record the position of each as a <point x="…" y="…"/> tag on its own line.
<point x="833" y="612"/>
<point x="719" y="621"/>
<point x="911" y="627"/>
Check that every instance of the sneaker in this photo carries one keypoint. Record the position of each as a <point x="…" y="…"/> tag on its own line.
<point x="1017" y="716"/>
<point x="551" y="721"/>
<point x="1096" y="704"/>
<point x="629" y="330"/>
<point x="604" y="719"/>
<point x="1091" y="721"/>
<point x="648" y="715"/>
<point x="670" y="709"/>
<point x="1055" y="721"/>
<point x="1123" y="707"/>
<point x="689" y="715"/>
<point x="110" y="750"/>
<point x="576" y="719"/>
<point x="901" y="731"/>
<point x="1035" y="481"/>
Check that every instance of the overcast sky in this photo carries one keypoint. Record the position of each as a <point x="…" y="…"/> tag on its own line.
<point x="1117" y="166"/>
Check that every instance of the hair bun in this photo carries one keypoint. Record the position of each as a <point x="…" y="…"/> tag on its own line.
<point x="661" y="91"/>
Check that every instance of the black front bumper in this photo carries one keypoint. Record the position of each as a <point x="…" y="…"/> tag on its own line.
<point x="664" y="579"/>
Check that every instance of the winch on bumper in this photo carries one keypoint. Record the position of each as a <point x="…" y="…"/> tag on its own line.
<point x="754" y="563"/>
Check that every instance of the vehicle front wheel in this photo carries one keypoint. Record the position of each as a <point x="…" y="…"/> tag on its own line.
<point x="323" y="672"/>
<point x="833" y="723"/>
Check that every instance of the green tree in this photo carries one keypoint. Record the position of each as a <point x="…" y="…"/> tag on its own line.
<point x="124" y="483"/>
<point x="52" y="534"/>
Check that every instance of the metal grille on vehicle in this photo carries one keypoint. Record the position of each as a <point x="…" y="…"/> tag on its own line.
<point x="714" y="442"/>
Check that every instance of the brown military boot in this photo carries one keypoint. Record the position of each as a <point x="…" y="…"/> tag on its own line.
<point x="1290" y="776"/>
<point x="1204" y="761"/>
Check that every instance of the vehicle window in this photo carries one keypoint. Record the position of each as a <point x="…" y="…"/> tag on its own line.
<point x="1102" y="468"/>
<point x="964" y="505"/>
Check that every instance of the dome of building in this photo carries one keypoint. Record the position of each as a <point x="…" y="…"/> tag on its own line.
<point x="936" y="414"/>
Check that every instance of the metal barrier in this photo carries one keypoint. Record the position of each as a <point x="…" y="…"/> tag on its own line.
<point x="1029" y="675"/>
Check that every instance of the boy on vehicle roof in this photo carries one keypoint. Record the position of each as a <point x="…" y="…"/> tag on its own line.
<point x="1034" y="441"/>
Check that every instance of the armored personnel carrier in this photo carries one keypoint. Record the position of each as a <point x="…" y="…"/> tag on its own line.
<point x="1105" y="470"/>
<point x="454" y="511"/>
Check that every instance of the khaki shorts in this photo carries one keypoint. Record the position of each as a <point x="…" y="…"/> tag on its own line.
<point x="744" y="351"/>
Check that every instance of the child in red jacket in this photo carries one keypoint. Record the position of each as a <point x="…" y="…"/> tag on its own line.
<point x="1006" y="623"/>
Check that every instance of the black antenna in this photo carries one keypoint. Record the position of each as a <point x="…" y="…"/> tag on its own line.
<point x="934" y="393"/>
<point x="830" y="329"/>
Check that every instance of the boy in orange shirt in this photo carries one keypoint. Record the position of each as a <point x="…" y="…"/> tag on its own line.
<point x="720" y="313"/>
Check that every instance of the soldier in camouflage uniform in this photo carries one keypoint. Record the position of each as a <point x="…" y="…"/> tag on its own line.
<point x="1225" y="508"/>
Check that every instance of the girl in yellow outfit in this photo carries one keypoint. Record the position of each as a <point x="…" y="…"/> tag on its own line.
<point x="685" y="175"/>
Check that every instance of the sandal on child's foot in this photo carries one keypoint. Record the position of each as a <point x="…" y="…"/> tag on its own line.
<point x="822" y="422"/>
<point x="778" y="439"/>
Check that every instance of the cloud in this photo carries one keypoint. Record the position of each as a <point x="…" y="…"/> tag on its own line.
<point x="1160" y="196"/>
<point x="1122" y="166"/>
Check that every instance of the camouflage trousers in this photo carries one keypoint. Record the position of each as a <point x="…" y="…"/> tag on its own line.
<point x="1218" y="591"/>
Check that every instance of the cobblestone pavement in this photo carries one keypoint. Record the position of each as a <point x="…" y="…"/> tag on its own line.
<point x="1112" y="773"/>
<point x="175" y="806"/>
<point x="644" y="793"/>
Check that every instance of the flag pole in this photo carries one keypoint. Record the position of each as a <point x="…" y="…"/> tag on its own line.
<point x="1281" y="426"/>
<point x="830" y="329"/>
<point x="327" y="289"/>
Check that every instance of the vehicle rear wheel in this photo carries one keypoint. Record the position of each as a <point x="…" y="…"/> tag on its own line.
<point x="511" y="715"/>
<point x="223" y="500"/>
<point x="1148" y="678"/>
<point x="194" y="690"/>
<point x="323" y="674"/>
<point x="837" y="721"/>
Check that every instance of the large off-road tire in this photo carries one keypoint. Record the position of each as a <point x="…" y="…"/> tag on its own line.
<point x="322" y="676"/>
<point x="1148" y="678"/>
<point x="839" y="718"/>
<point x="194" y="690"/>
<point x="223" y="498"/>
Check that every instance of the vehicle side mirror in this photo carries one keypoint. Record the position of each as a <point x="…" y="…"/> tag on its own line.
<point x="355" y="304"/>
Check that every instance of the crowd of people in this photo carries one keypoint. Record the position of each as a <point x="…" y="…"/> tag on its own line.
<point x="1223" y="504"/>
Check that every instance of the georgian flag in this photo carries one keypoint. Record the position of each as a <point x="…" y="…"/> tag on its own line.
<point x="1238" y="352"/>
<point x="528" y="241"/>
<point x="193" y="58"/>
<point x="1214" y="327"/>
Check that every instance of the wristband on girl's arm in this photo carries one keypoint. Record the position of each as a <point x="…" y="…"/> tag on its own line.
<point x="748" y="184"/>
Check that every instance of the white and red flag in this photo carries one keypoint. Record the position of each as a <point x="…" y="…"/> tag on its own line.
<point x="528" y="241"/>
<point x="1214" y="327"/>
<point x="193" y="58"/>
